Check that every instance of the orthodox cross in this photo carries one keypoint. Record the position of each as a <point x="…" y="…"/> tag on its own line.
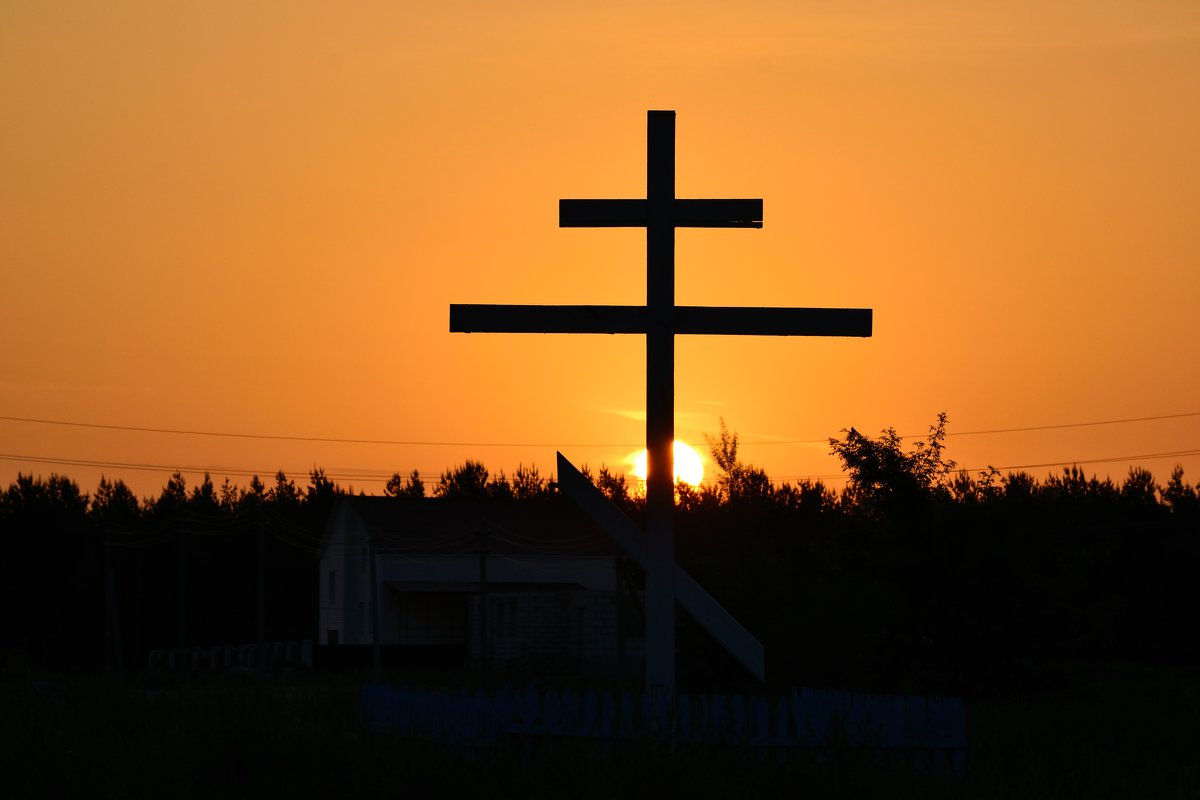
<point x="660" y="213"/>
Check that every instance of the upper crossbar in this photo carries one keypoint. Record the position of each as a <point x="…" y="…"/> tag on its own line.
<point x="679" y="213"/>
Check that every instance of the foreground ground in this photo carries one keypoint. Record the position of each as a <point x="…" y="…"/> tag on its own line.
<point x="1114" y="732"/>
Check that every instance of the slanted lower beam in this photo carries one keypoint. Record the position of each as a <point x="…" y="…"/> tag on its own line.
<point x="720" y="624"/>
<point x="711" y="615"/>
<point x="600" y="510"/>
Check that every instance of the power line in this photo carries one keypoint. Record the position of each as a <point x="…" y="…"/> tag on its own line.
<point x="1076" y="462"/>
<point x="419" y="443"/>
<point x="288" y="438"/>
<point x="1175" y="454"/>
<point x="382" y="476"/>
<point x="1029" y="428"/>
<point x="378" y="476"/>
<point x="1066" y="425"/>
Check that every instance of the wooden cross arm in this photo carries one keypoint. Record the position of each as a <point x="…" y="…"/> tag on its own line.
<point x="717" y="213"/>
<point x="747" y="321"/>
<point x="603" y="214"/>
<point x="685" y="320"/>
<point x="547" y="319"/>
<point x="680" y="213"/>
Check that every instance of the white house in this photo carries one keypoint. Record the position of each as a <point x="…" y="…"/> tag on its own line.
<point x="509" y="583"/>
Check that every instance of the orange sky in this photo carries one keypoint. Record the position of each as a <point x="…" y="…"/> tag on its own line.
<point x="252" y="218"/>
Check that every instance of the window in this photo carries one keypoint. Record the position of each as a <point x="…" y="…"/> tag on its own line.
<point x="332" y="586"/>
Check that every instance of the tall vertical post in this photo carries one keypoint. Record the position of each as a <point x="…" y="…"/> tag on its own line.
<point x="660" y="403"/>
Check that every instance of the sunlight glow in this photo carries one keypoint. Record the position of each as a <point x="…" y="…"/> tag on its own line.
<point x="688" y="467"/>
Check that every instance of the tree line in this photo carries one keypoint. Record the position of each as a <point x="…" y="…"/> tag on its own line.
<point x="916" y="575"/>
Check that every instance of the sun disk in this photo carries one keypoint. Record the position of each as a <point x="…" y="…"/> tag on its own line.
<point x="688" y="467"/>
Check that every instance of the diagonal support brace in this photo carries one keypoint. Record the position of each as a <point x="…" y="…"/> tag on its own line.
<point x="711" y="615"/>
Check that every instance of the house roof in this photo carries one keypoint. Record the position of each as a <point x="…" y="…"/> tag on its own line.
<point x="439" y="526"/>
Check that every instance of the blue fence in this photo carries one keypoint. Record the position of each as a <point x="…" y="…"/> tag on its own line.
<point x="928" y="732"/>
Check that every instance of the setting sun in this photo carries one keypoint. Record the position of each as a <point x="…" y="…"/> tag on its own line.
<point x="688" y="467"/>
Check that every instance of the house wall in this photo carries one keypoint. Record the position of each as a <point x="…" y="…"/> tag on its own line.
<point x="331" y="609"/>
<point x="572" y="627"/>
<point x="593" y="573"/>
<point x="358" y="586"/>
<point x="429" y="618"/>
<point x="345" y="555"/>
<point x="575" y="624"/>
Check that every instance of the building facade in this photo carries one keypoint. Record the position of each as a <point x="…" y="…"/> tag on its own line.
<point x="509" y="585"/>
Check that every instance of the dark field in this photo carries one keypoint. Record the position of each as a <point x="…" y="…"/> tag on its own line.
<point x="1118" y="732"/>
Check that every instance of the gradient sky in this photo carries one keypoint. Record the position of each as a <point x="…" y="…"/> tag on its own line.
<point x="252" y="217"/>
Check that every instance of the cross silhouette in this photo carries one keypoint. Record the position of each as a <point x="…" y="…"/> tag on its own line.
<point x="660" y="213"/>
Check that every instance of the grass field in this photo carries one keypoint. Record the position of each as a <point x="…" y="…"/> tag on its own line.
<point x="1116" y="732"/>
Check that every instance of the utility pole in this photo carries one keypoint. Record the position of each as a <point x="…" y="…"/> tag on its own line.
<point x="108" y="609"/>
<point x="484" y="649"/>
<point x="113" y="657"/>
<point x="376" y="659"/>
<point x="262" y="613"/>
<point x="181" y="589"/>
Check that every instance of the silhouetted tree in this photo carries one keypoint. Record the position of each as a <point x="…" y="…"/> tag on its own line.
<point x="808" y="497"/>
<point x="1020" y="487"/>
<point x="614" y="486"/>
<point x="416" y="486"/>
<point x="114" y="503"/>
<point x="886" y="479"/>
<point x="738" y="482"/>
<point x="50" y="575"/>
<point x="691" y="499"/>
<point x="499" y="488"/>
<point x="256" y="489"/>
<point x="469" y="480"/>
<point x="527" y="483"/>
<point x="172" y="500"/>
<point x="56" y="495"/>
<point x="1180" y="497"/>
<point x="320" y="488"/>
<point x="397" y="487"/>
<point x="1139" y="488"/>
<point x="284" y="493"/>
<point x="203" y="501"/>
<point x="230" y="496"/>
<point x="319" y="497"/>
<point x="1074" y="485"/>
